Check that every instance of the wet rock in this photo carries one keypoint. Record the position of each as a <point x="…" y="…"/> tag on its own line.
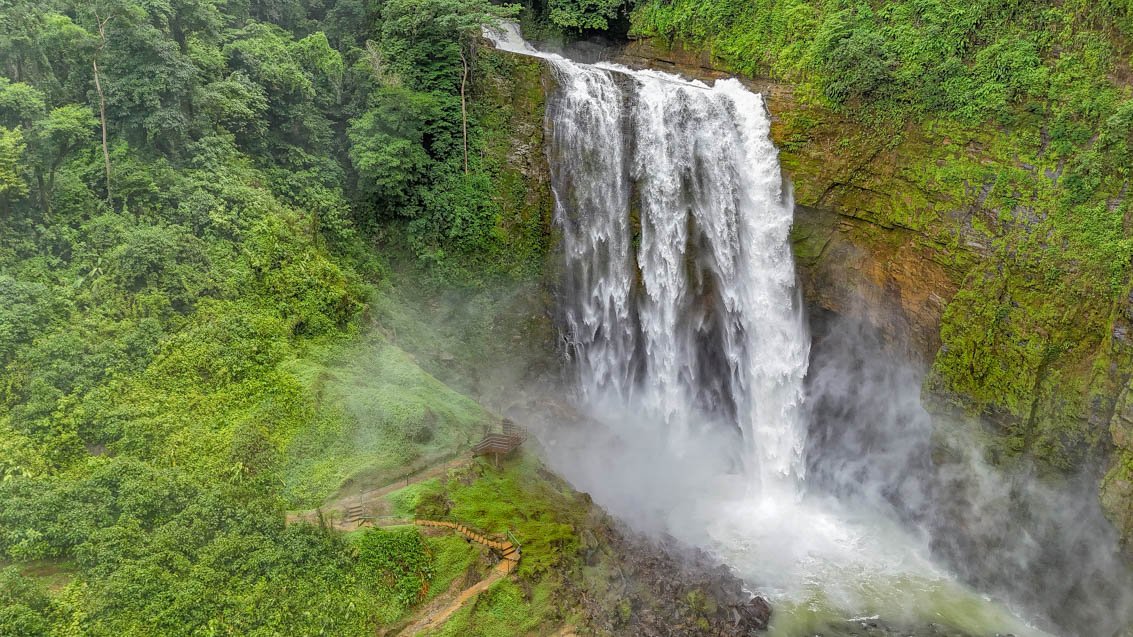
<point x="756" y="613"/>
<point x="664" y="588"/>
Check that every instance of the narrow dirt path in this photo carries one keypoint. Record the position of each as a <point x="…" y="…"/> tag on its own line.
<point x="348" y="513"/>
<point x="421" y="476"/>
<point x="436" y="614"/>
<point x="370" y="502"/>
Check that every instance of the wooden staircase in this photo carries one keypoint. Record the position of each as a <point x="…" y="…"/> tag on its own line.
<point x="507" y="548"/>
<point x="353" y="514"/>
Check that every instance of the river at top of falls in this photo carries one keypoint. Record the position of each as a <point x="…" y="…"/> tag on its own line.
<point x="681" y="319"/>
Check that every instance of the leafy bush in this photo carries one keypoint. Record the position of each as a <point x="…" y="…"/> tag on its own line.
<point x="25" y="609"/>
<point x="400" y="562"/>
<point x="585" y="14"/>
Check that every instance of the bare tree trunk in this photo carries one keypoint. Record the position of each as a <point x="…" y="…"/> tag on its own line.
<point x="463" y="105"/>
<point x="102" y="99"/>
<point x="44" y="197"/>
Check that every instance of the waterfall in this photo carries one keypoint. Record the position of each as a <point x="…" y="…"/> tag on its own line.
<point x="683" y="329"/>
<point x="679" y="295"/>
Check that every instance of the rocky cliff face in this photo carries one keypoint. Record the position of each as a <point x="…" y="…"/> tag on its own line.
<point x="951" y="241"/>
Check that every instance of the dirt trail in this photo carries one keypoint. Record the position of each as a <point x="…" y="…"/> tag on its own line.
<point x="370" y="502"/>
<point x="437" y="613"/>
<point x="348" y="513"/>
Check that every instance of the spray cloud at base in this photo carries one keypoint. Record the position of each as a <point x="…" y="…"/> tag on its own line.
<point x="811" y="473"/>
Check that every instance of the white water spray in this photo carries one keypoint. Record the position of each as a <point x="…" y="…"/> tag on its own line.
<point x="682" y="321"/>
<point x="679" y="292"/>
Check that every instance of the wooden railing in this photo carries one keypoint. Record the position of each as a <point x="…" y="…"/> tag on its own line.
<point x="501" y="444"/>
<point x="507" y="547"/>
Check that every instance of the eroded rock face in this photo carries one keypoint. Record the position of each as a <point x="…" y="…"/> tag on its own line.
<point x="885" y="277"/>
<point x="936" y="234"/>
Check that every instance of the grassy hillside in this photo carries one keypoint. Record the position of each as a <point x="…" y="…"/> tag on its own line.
<point x="199" y="208"/>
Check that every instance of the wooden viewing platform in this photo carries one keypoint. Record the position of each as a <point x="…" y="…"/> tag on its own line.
<point x="501" y="444"/>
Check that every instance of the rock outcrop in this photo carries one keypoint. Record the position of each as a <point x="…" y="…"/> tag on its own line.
<point x="948" y="239"/>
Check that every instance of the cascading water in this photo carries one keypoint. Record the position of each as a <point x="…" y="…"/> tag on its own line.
<point x="680" y="315"/>
<point x="680" y="284"/>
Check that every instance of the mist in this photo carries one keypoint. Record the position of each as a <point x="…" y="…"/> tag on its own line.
<point x="701" y="402"/>
<point x="1043" y="547"/>
<point x="902" y="517"/>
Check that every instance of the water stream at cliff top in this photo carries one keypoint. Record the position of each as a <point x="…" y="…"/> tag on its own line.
<point x="681" y="319"/>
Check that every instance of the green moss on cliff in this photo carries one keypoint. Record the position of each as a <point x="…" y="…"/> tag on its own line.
<point x="1000" y="133"/>
<point x="509" y="99"/>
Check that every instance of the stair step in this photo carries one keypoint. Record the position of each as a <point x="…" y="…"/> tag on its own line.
<point x="509" y="552"/>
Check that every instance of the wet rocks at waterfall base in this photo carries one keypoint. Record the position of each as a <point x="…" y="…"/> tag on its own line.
<point x="662" y="588"/>
<point x="757" y="613"/>
<point x="634" y="585"/>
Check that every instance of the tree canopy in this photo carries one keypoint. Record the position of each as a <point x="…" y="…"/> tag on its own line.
<point x="151" y="320"/>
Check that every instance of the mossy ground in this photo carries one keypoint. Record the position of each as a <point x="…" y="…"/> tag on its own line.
<point x="379" y="415"/>
<point x="503" y="610"/>
<point x="520" y="496"/>
<point x="544" y="514"/>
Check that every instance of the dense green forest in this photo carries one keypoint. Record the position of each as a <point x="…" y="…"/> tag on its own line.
<point x="199" y="205"/>
<point x="207" y="208"/>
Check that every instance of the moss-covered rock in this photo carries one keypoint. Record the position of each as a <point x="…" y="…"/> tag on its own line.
<point x="978" y="248"/>
<point x="508" y="102"/>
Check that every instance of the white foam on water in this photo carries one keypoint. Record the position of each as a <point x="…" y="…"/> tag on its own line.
<point x="687" y="340"/>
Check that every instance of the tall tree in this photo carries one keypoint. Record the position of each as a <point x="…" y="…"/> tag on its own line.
<point x="101" y="23"/>
<point x="416" y="32"/>
<point x="63" y="131"/>
<point x="12" y="147"/>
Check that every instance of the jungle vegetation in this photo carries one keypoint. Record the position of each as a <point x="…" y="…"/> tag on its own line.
<point x="199" y="204"/>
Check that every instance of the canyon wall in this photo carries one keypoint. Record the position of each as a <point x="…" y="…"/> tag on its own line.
<point x="949" y="239"/>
